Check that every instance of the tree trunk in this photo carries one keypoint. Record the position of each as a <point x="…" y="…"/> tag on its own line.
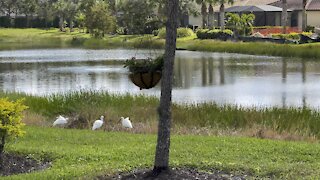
<point x="284" y="16"/>
<point x="163" y="142"/>
<point x="304" y="15"/>
<point x="210" y="17"/>
<point x="204" y="15"/>
<point x="1" y="149"/>
<point x="71" y="25"/>
<point x="61" y="24"/>
<point x="222" y="17"/>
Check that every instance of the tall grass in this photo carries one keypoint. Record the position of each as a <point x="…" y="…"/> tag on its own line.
<point x="284" y="50"/>
<point x="210" y="117"/>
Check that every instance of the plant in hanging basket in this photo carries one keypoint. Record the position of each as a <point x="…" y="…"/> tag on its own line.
<point x="145" y="73"/>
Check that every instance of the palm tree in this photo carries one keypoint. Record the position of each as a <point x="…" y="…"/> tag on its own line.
<point x="222" y="11"/>
<point x="284" y="16"/>
<point x="204" y="12"/>
<point x="211" y="14"/>
<point x="304" y="15"/>
<point x="161" y="162"/>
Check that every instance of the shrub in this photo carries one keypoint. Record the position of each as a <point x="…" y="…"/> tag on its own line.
<point x="181" y="32"/>
<point x="291" y="36"/>
<point x="214" y="34"/>
<point x="10" y="120"/>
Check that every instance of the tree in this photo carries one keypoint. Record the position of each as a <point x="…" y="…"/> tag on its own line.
<point x="28" y="8"/>
<point x="284" y="18"/>
<point x="163" y="142"/>
<point x="204" y="12"/>
<point x="46" y="11"/>
<point x="241" y="25"/>
<point x="210" y="15"/>
<point x="8" y="7"/>
<point x="99" y="20"/>
<point x="222" y="11"/>
<point x="60" y="8"/>
<point x="134" y="15"/>
<point x="10" y="122"/>
<point x="304" y="15"/>
<point x="71" y="11"/>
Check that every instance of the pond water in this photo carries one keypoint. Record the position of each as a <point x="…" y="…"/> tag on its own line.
<point x="199" y="77"/>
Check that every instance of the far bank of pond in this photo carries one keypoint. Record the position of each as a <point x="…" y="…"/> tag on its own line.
<point x="37" y="38"/>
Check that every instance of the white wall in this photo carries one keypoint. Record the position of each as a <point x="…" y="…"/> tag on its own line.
<point x="313" y="18"/>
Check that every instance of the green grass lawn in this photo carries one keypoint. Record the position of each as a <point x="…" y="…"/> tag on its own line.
<point x="85" y="153"/>
<point x="38" y="38"/>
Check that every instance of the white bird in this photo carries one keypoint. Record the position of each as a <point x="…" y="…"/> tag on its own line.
<point x="126" y="122"/>
<point x="60" y="121"/>
<point x="98" y="123"/>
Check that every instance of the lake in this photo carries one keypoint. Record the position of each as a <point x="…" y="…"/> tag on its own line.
<point x="199" y="77"/>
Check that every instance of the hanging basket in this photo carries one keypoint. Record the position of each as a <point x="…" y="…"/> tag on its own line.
<point x="145" y="80"/>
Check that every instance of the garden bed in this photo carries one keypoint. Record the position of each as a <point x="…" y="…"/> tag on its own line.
<point x="174" y="173"/>
<point x="16" y="164"/>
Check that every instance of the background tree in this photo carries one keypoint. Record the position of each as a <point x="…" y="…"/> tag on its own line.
<point x="46" y="12"/>
<point x="99" y="20"/>
<point x="211" y="14"/>
<point x="304" y="15"/>
<point x="134" y="15"/>
<point x="28" y="8"/>
<point x="284" y="19"/>
<point x="8" y="7"/>
<point x="163" y="142"/>
<point x="71" y="11"/>
<point x="60" y="9"/>
<point x="222" y="11"/>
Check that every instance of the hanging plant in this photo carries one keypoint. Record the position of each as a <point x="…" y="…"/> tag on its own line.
<point x="145" y="73"/>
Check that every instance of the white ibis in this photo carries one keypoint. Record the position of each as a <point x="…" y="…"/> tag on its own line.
<point x="60" y="121"/>
<point x="98" y="123"/>
<point x="126" y="122"/>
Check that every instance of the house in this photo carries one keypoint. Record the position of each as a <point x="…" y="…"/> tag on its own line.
<point x="269" y="15"/>
<point x="312" y="12"/>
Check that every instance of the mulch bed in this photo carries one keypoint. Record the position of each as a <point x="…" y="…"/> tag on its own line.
<point x="174" y="174"/>
<point x="16" y="164"/>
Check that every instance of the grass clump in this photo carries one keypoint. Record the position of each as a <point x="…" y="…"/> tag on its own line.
<point x="210" y="118"/>
<point x="181" y="33"/>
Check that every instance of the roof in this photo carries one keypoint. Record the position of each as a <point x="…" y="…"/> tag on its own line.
<point x="256" y="8"/>
<point x="297" y="4"/>
<point x="246" y="3"/>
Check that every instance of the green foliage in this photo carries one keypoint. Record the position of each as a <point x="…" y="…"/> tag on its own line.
<point x="290" y="36"/>
<point x="242" y="25"/>
<point x="144" y="65"/>
<point x="99" y="20"/>
<point x="310" y="29"/>
<point x="214" y="34"/>
<point x="181" y="32"/>
<point x="10" y="119"/>
<point x="136" y="15"/>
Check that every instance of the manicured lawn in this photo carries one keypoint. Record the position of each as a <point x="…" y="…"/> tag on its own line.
<point x="85" y="153"/>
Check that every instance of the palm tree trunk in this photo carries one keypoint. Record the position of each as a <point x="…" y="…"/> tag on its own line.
<point x="211" y="16"/>
<point x="61" y="23"/>
<point x="204" y="15"/>
<point x="222" y="16"/>
<point x="304" y="15"/>
<point x="284" y="16"/>
<point x="163" y="142"/>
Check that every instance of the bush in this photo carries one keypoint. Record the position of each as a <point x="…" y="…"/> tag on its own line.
<point x="10" y="120"/>
<point x="310" y="29"/>
<point x="214" y="34"/>
<point x="291" y="36"/>
<point x="181" y="32"/>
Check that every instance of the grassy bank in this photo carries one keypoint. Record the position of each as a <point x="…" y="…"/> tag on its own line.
<point x="36" y="38"/>
<point x="204" y="119"/>
<point x="85" y="153"/>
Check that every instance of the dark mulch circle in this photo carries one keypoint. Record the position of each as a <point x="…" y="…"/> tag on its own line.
<point x="16" y="164"/>
<point x="175" y="174"/>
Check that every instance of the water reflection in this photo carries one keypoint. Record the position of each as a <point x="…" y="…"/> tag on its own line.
<point x="198" y="77"/>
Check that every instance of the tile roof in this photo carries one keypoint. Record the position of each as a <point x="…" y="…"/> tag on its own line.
<point x="297" y="4"/>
